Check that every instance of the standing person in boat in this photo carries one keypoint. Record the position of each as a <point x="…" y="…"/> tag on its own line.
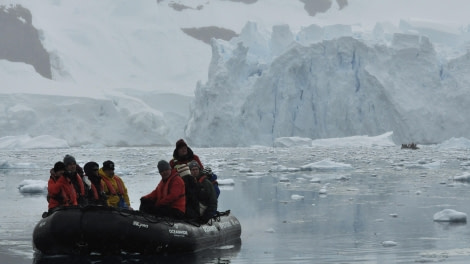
<point x="114" y="187"/>
<point x="60" y="190"/>
<point x="183" y="154"/>
<point x="80" y="183"/>
<point x="96" y="195"/>
<point x="168" y="198"/>
<point x="205" y="193"/>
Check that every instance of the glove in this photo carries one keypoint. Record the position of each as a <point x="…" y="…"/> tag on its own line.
<point x="146" y="205"/>
<point x="68" y="174"/>
<point x="203" y="220"/>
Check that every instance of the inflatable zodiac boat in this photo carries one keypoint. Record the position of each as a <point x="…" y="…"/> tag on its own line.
<point x="107" y="230"/>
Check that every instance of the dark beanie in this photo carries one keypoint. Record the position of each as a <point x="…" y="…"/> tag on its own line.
<point x="108" y="165"/>
<point x="89" y="167"/>
<point x="68" y="159"/>
<point x="193" y="164"/>
<point x="180" y="143"/>
<point x="163" y="165"/>
<point x="59" y="166"/>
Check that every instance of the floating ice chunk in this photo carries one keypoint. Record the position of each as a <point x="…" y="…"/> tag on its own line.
<point x="21" y="165"/>
<point x="389" y="243"/>
<point x="256" y="173"/>
<point x="464" y="177"/>
<point x="450" y="215"/>
<point x="281" y="168"/>
<point x="323" y="189"/>
<point x="433" y="165"/>
<point x="343" y="178"/>
<point x="270" y="230"/>
<point x="296" y="197"/>
<point x="326" y="164"/>
<point x="226" y="182"/>
<point x="4" y="164"/>
<point x="32" y="186"/>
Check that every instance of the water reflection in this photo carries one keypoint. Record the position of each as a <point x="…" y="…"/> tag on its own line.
<point x="219" y="255"/>
<point x="388" y="196"/>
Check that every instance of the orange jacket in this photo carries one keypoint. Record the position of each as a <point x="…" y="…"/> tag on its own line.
<point x="169" y="193"/>
<point x="60" y="192"/>
<point x="177" y="160"/>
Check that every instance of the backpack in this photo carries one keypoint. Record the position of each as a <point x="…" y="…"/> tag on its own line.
<point x="212" y="177"/>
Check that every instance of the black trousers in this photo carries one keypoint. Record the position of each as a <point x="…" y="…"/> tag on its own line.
<point x="150" y="208"/>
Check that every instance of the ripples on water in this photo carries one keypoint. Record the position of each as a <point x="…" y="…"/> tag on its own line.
<point x="389" y="195"/>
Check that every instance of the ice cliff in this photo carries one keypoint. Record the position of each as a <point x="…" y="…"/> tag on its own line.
<point x="265" y="86"/>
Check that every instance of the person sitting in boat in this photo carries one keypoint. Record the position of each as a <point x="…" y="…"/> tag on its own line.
<point x="60" y="190"/>
<point x="183" y="154"/>
<point x="205" y="193"/>
<point x="212" y="177"/>
<point x="114" y="187"/>
<point x="190" y="189"/>
<point x="96" y="195"/>
<point x="168" y="198"/>
<point x="75" y="174"/>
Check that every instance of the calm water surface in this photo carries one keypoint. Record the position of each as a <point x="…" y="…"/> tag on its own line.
<point x="389" y="194"/>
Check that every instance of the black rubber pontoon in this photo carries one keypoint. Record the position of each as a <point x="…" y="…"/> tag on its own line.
<point x="108" y="230"/>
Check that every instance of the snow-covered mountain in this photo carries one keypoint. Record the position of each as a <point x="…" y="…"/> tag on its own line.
<point x="120" y="73"/>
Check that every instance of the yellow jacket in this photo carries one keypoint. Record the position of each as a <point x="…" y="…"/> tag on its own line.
<point x="113" y="191"/>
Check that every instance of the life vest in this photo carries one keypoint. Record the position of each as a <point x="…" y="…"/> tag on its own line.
<point x="61" y="199"/>
<point x="66" y="197"/>
<point x="200" y="180"/>
<point x="119" y="184"/>
<point x="80" y="184"/>
<point x="163" y="189"/>
<point x="95" y="192"/>
<point x="215" y="184"/>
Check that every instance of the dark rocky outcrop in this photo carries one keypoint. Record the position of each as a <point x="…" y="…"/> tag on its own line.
<point x="321" y="6"/>
<point x="205" y="34"/>
<point x="20" y="42"/>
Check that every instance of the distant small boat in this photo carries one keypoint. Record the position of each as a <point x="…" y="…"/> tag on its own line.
<point x="108" y="230"/>
<point x="409" y="146"/>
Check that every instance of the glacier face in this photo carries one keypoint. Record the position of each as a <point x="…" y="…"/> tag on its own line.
<point x="262" y="87"/>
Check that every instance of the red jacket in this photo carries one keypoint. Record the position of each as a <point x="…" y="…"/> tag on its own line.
<point x="174" y="162"/>
<point x="169" y="193"/>
<point x="60" y="192"/>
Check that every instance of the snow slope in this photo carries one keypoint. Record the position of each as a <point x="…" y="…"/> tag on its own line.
<point x="125" y="73"/>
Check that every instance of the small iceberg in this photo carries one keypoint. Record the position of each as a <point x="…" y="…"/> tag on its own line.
<point x="226" y="182"/>
<point x="296" y="197"/>
<point x="462" y="178"/>
<point x="32" y="187"/>
<point x="449" y="215"/>
<point x="326" y="165"/>
<point x="389" y="243"/>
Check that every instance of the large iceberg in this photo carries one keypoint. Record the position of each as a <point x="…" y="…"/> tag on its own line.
<point x="341" y="87"/>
